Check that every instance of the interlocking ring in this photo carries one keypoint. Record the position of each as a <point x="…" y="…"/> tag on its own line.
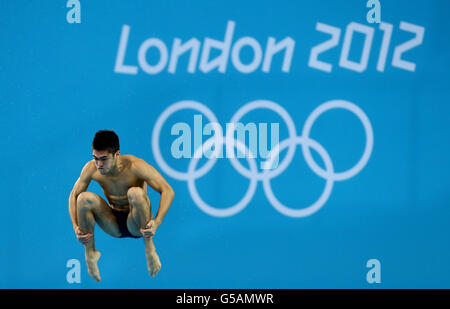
<point x="253" y="174"/>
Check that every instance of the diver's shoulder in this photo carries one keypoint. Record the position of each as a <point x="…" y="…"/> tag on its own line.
<point x="131" y="160"/>
<point x="90" y="165"/>
<point x="128" y="157"/>
<point x="89" y="168"/>
<point x="135" y="162"/>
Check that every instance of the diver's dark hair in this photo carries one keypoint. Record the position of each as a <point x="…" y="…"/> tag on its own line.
<point x="106" y="140"/>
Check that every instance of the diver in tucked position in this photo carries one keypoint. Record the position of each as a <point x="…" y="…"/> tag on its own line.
<point x="124" y="180"/>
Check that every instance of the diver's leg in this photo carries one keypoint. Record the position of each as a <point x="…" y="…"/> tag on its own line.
<point x="139" y="217"/>
<point x="92" y="208"/>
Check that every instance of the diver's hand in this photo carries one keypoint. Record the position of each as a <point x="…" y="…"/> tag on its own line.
<point x="150" y="229"/>
<point x="82" y="237"/>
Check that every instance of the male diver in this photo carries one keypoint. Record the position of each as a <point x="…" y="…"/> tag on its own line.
<point x="124" y="180"/>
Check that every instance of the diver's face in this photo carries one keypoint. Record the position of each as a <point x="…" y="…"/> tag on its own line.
<point x="104" y="161"/>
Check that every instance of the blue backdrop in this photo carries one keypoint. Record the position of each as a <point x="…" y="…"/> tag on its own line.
<point x="378" y="189"/>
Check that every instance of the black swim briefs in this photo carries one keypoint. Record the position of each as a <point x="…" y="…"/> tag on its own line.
<point x="122" y="216"/>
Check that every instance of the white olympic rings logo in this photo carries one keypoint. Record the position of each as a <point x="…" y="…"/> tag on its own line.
<point x="266" y="175"/>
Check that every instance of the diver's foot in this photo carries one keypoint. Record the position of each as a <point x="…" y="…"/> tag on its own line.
<point x="91" y="261"/>
<point x="153" y="263"/>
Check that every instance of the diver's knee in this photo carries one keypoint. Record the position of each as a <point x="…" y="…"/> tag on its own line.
<point x="86" y="200"/>
<point x="135" y="195"/>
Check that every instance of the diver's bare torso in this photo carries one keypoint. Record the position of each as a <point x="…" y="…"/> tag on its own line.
<point x="116" y="187"/>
